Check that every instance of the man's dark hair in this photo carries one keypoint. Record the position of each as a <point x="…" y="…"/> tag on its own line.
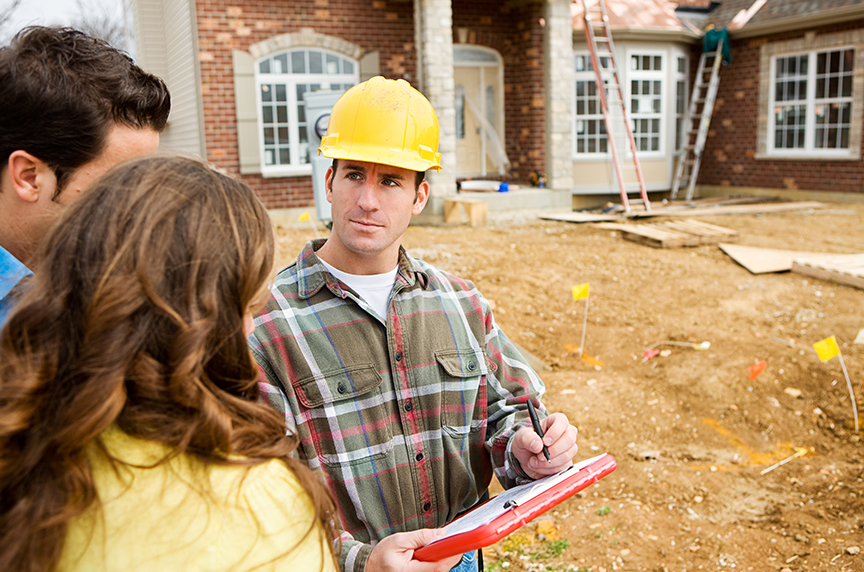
<point x="417" y="180"/>
<point x="61" y="92"/>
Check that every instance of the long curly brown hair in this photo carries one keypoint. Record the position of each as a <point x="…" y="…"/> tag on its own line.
<point x="135" y="317"/>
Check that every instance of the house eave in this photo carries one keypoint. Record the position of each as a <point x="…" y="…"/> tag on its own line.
<point x="796" y="23"/>
<point x="643" y="34"/>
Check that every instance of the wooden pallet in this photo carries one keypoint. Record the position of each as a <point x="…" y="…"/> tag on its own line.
<point x="674" y="234"/>
<point x="841" y="268"/>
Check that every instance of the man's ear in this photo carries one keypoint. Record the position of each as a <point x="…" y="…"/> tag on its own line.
<point x="328" y="183"/>
<point x="421" y="198"/>
<point x="30" y="176"/>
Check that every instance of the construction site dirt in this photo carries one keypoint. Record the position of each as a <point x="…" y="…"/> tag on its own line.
<point x="691" y="432"/>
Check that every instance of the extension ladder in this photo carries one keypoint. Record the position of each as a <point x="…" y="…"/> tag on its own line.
<point x="704" y="94"/>
<point x="615" y="117"/>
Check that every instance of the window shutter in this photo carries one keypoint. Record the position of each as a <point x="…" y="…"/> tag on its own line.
<point x="248" y="150"/>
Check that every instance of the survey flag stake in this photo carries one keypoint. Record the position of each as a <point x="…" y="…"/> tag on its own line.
<point x="827" y="349"/>
<point x="304" y="217"/>
<point x="581" y="291"/>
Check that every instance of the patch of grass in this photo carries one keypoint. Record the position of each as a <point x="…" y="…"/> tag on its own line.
<point x="604" y="511"/>
<point x="552" y="549"/>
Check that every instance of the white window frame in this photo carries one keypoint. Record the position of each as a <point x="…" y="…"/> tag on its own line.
<point x="650" y="75"/>
<point x="681" y="78"/>
<point x="298" y="165"/>
<point x="587" y="75"/>
<point x="811" y="103"/>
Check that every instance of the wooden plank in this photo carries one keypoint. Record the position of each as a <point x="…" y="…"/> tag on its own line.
<point x="845" y="269"/>
<point x="728" y="210"/>
<point x="656" y="237"/>
<point x="711" y="229"/>
<point x="580" y="217"/>
<point x="763" y="260"/>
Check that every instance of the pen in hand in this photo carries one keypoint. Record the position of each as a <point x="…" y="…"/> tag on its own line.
<point x="537" y="429"/>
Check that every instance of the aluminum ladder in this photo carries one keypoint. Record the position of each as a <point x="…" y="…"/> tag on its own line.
<point x="615" y="116"/>
<point x="697" y="121"/>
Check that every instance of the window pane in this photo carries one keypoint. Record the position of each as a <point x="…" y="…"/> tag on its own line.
<point x="268" y="136"/>
<point x="316" y="64"/>
<point x="280" y="64"/>
<point x="347" y="67"/>
<point x="284" y="156"/>
<point x="303" y="137"/>
<point x="657" y="65"/>
<point x="298" y="62"/>
<point x="332" y="64"/>
<point x="283" y="135"/>
<point x="267" y="114"/>
<point x="281" y="92"/>
<point x="268" y="157"/>
<point x="264" y="67"/>
<point x="281" y="114"/>
<point x="682" y="65"/>
<point x="266" y="93"/>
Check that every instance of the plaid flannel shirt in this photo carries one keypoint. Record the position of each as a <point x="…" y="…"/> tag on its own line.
<point x="407" y="416"/>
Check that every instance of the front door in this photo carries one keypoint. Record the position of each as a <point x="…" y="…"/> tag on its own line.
<point x="479" y="106"/>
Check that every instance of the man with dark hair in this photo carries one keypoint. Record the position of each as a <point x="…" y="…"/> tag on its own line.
<point x="72" y="108"/>
<point x="391" y="372"/>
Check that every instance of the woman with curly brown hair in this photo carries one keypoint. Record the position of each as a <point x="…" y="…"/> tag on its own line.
<point x="131" y="436"/>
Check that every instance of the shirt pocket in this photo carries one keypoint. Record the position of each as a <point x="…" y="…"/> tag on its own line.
<point x="347" y="417"/>
<point x="463" y="390"/>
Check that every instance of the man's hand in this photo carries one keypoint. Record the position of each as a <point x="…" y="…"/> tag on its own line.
<point x="560" y="438"/>
<point x="396" y="553"/>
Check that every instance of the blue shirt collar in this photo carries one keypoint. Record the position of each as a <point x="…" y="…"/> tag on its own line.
<point x="12" y="271"/>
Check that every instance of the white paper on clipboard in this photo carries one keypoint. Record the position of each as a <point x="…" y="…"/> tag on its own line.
<point x="512" y="497"/>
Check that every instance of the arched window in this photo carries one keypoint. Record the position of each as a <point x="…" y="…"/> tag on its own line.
<point x="282" y="79"/>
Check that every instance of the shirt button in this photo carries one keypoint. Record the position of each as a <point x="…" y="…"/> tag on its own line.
<point x="340" y="388"/>
<point x="471" y="366"/>
<point x="398" y="356"/>
<point x="408" y="406"/>
<point x="419" y="457"/>
<point x="427" y="506"/>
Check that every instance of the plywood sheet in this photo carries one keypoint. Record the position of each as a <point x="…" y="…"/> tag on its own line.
<point x="728" y="209"/>
<point x="763" y="260"/>
<point x="841" y="268"/>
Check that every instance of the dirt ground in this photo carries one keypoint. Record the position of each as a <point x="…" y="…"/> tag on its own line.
<point x="691" y="433"/>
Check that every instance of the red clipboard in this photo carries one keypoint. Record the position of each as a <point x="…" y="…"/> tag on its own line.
<point x="517" y="515"/>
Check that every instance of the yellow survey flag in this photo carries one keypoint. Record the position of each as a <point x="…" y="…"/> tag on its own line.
<point x="580" y="291"/>
<point x="827" y="348"/>
<point x="304" y="216"/>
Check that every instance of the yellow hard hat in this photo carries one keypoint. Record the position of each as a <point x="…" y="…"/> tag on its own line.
<point x="384" y="121"/>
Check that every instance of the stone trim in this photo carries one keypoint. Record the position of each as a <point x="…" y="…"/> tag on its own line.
<point x="305" y="38"/>
<point x="811" y="42"/>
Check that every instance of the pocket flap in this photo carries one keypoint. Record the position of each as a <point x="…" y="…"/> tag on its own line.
<point x="337" y="385"/>
<point x="462" y="363"/>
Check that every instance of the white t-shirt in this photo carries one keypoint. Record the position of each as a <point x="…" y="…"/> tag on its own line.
<point x="375" y="289"/>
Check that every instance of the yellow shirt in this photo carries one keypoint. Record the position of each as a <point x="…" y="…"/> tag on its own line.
<point x="187" y="516"/>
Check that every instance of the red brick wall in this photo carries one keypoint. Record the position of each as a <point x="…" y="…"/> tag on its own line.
<point x="223" y="25"/>
<point x="516" y="33"/>
<point x="729" y="156"/>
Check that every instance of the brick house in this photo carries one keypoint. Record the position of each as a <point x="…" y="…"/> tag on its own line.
<point x="789" y="108"/>
<point x="504" y="77"/>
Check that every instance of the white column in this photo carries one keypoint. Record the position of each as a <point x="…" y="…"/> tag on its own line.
<point x="558" y="88"/>
<point x="434" y="31"/>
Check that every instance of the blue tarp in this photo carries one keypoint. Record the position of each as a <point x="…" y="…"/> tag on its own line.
<point x="712" y="38"/>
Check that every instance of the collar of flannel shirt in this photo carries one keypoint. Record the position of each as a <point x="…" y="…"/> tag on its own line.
<point x="312" y="275"/>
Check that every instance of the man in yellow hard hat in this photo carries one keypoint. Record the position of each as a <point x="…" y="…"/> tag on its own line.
<point x="393" y="373"/>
